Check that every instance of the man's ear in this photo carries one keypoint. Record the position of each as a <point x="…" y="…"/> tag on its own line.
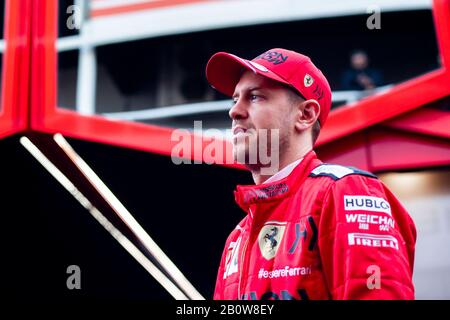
<point x="307" y="114"/>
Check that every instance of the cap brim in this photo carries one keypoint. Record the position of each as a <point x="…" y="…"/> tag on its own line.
<point x="224" y="70"/>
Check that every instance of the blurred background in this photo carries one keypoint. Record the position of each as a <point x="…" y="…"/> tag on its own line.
<point x="143" y="61"/>
<point x="132" y="62"/>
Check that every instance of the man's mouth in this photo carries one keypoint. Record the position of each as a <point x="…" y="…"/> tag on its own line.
<point x="238" y="130"/>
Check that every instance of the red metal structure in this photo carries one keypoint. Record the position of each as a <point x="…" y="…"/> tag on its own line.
<point x="16" y="69"/>
<point x="389" y="131"/>
<point x="140" y="6"/>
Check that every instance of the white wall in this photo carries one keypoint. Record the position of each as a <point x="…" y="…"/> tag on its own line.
<point x="426" y="195"/>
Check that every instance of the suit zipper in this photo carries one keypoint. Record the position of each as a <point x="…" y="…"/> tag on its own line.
<point x="242" y="266"/>
<point x="244" y="249"/>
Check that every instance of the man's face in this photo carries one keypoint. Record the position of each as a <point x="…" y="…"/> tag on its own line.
<point x="359" y="61"/>
<point x="262" y="115"/>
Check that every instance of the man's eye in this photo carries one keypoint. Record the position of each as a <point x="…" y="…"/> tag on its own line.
<point x="234" y="101"/>
<point x="254" y="97"/>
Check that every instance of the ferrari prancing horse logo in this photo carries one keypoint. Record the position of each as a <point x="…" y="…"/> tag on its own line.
<point x="308" y="80"/>
<point x="269" y="238"/>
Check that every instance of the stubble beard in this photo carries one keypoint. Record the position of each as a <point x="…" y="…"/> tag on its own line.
<point x="254" y="147"/>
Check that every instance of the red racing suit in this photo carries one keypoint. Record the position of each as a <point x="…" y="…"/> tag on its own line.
<point x="323" y="232"/>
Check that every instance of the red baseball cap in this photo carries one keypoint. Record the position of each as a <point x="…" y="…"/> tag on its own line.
<point x="296" y="70"/>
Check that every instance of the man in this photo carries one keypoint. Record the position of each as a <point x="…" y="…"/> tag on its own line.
<point x="312" y="230"/>
<point x="360" y="76"/>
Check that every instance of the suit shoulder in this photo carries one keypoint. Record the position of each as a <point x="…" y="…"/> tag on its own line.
<point x="337" y="172"/>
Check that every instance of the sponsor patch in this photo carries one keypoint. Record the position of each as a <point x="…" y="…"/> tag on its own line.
<point x="384" y="222"/>
<point x="367" y="203"/>
<point x="372" y="240"/>
<point x="231" y="260"/>
<point x="270" y="191"/>
<point x="273" y="57"/>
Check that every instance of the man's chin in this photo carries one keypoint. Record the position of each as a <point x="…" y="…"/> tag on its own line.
<point x="240" y="154"/>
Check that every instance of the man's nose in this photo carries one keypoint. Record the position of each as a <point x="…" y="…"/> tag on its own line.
<point x="238" y="111"/>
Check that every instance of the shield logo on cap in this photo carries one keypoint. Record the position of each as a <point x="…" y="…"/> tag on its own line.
<point x="308" y="80"/>
<point x="270" y="237"/>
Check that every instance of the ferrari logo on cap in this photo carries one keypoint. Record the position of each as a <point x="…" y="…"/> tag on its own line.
<point x="269" y="238"/>
<point x="308" y="80"/>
